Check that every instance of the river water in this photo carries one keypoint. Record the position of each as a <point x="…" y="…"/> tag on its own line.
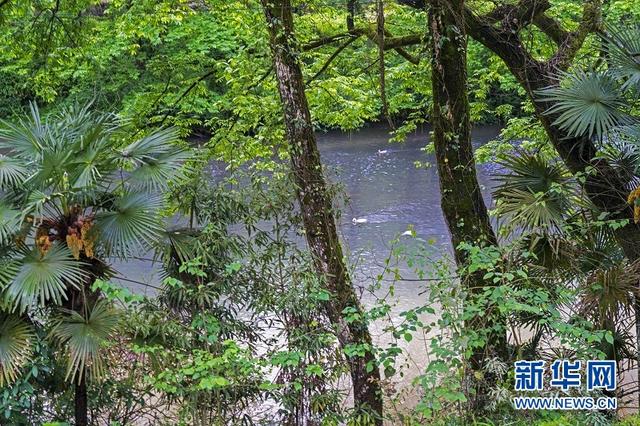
<point x="384" y="188"/>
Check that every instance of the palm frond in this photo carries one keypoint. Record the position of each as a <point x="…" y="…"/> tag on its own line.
<point x="16" y="336"/>
<point x="151" y="146"/>
<point x="622" y="152"/>
<point x="587" y="104"/>
<point x="84" y="334"/>
<point x="178" y="246"/>
<point x="10" y="221"/>
<point x="12" y="172"/>
<point x="623" y="50"/>
<point x="156" y="174"/>
<point x="26" y="137"/>
<point x="531" y="211"/>
<point x="44" y="277"/>
<point x="531" y="172"/>
<point x="132" y="224"/>
<point x="533" y="193"/>
<point x="9" y="268"/>
<point x="87" y="168"/>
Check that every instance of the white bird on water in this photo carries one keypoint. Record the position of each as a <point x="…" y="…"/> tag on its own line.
<point x="383" y="151"/>
<point x="407" y="233"/>
<point x="359" y="220"/>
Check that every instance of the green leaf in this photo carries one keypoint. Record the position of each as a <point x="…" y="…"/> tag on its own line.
<point x="132" y="224"/>
<point x="43" y="278"/>
<point x="12" y="172"/>
<point x="83" y="334"/>
<point x="587" y="104"/>
<point x="16" y="336"/>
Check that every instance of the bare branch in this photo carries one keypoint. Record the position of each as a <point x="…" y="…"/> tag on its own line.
<point x="390" y="42"/>
<point x="323" y="41"/>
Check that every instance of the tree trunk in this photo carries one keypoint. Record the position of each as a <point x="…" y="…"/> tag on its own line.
<point x="606" y="188"/>
<point x="80" y="402"/>
<point x="381" y="62"/>
<point x="317" y="210"/>
<point x="351" y="15"/>
<point x="462" y="204"/>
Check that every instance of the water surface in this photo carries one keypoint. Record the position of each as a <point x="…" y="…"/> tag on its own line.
<point x="384" y="187"/>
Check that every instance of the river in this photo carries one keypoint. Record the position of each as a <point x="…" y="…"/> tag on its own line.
<point x="384" y="187"/>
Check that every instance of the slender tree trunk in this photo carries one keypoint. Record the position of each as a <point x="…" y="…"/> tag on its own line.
<point x="351" y="15"/>
<point x="80" y="402"/>
<point x="380" y="34"/>
<point x="316" y="207"/>
<point x="462" y="204"/>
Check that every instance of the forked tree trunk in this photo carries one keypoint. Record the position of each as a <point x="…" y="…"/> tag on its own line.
<point x="604" y="185"/>
<point x="316" y="207"/>
<point x="462" y="204"/>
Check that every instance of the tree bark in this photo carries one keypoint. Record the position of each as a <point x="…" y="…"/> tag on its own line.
<point x="80" y="402"/>
<point x="317" y="210"/>
<point x="462" y="204"/>
<point x="604" y="186"/>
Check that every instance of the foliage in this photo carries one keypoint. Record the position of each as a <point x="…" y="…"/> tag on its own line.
<point x="236" y="332"/>
<point x="75" y="193"/>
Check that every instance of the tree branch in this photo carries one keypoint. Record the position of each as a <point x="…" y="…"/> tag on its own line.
<point x="390" y="42"/>
<point x="333" y="56"/>
<point x="551" y="28"/>
<point x="517" y="15"/>
<point x="323" y="41"/>
<point x="590" y="22"/>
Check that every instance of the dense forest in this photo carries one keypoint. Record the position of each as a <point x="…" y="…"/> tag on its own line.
<point x="177" y="185"/>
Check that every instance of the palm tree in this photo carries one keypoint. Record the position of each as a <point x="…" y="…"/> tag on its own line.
<point x="572" y="242"/>
<point x="75" y="194"/>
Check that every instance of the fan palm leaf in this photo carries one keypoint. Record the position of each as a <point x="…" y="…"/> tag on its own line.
<point x="156" y="174"/>
<point x="84" y="334"/>
<point x="26" y="137"/>
<point x="151" y="146"/>
<point x="587" y="104"/>
<point x="623" y="50"/>
<point x="41" y="278"/>
<point x="132" y="224"/>
<point x="12" y="172"/>
<point x="10" y="221"/>
<point x="155" y="160"/>
<point x="16" y="336"/>
<point x="533" y="192"/>
<point x="9" y="268"/>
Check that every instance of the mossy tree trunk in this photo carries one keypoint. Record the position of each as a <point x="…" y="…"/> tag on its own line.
<point x="317" y="209"/>
<point x="462" y="204"/>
